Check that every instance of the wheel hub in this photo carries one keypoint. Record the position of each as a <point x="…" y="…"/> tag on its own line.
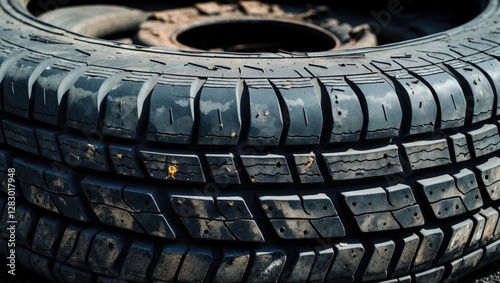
<point x="250" y="26"/>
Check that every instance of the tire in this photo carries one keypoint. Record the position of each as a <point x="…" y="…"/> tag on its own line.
<point x="151" y="165"/>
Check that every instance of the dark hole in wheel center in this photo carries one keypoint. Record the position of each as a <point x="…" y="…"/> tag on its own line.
<point x="257" y="36"/>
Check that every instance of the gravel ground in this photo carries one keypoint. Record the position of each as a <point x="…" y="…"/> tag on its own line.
<point x="488" y="274"/>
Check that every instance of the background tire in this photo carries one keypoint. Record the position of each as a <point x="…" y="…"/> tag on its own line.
<point x="147" y="164"/>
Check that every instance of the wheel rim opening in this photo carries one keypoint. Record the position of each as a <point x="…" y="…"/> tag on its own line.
<point x="257" y="36"/>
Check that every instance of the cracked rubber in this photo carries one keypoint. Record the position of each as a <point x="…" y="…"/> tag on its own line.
<point x="144" y="165"/>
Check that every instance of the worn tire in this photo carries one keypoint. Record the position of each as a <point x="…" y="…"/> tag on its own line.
<point x="143" y="164"/>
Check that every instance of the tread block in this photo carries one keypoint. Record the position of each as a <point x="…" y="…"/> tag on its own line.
<point x="492" y="217"/>
<point x="233" y="208"/>
<point x="297" y="217"/>
<point x="49" y="144"/>
<point x="102" y="191"/>
<point x="201" y="216"/>
<point x="496" y="235"/>
<point x="155" y="224"/>
<point x="266" y="265"/>
<point x="173" y="166"/>
<point x="488" y="65"/>
<point x="65" y="192"/>
<point x="485" y="140"/>
<point x="23" y="256"/>
<point x="302" y="266"/>
<point x="66" y="273"/>
<point x="267" y="168"/>
<point x="489" y="176"/>
<point x="410" y="246"/>
<point x="301" y="100"/>
<point x="125" y="104"/>
<point x="105" y="252"/>
<point x="137" y="261"/>
<point x="78" y="246"/>
<point x="266" y="121"/>
<point x="89" y="154"/>
<point x="321" y="265"/>
<point x="448" y="93"/>
<point x="355" y="164"/>
<point x="477" y="232"/>
<point x="125" y="160"/>
<point x="219" y="112"/>
<point x="233" y="266"/>
<point x="380" y="259"/>
<point x="199" y="259"/>
<point x="50" y="91"/>
<point x="460" y="233"/>
<point x="47" y="235"/>
<point x="464" y="265"/>
<point x="68" y="241"/>
<point x="86" y="96"/>
<point x="422" y="103"/>
<point x="18" y="82"/>
<point x="467" y="184"/>
<point x="72" y="207"/>
<point x="8" y="56"/>
<point x="127" y="207"/>
<point x="39" y="197"/>
<point x="62" y="182"/>
<point x="20" y="135"/>
<point x="450" y="196"/>
<point x="294" y="229"/>
<point x="382" y="104"/>
<point x="30" y="171"/>
<point x="144" y="199"/>
<point x="245" y="230"/>
<point x="116" y="217"/>
<point x="346" y="111"/>
<point x="430" y="243"/>
<point x="195" y="207"/>
<point x="459" y="148"/>
<point x="42" y="266"/>
<point x="308" y="168"/>
<point x="207" y="229"/>
<point x="426" y="154"/>
<point x="347" y="259"/>
<point x="387" y="209"/>
<point x="171" y="111"/>
<point x="222" y="167"/>
<point x="482" y="92"/>
<point x="491" y="253"/>
<point x="168" y="263"/>
<point x="432" y="275"/>
<point x="6" y="157"/>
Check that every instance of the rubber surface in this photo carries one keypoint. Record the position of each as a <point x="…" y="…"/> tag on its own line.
<point x="149" y="165"/>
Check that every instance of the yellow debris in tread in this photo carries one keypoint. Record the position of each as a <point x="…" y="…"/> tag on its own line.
<point x="310" y="162"/>
<point x="119" y="156"/>
<point x="171" y="171"/>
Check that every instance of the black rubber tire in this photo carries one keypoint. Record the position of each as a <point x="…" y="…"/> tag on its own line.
<point x="143" y="164"/>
